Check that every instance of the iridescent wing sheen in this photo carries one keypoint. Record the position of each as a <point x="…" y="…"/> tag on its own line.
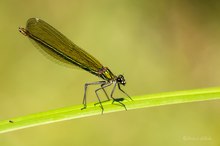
<point x="58" y="46"/>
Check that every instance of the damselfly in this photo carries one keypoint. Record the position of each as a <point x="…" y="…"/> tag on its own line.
<point x="62" y="49"/>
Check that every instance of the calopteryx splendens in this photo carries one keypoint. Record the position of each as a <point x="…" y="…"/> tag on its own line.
<point x="62" y="49"/>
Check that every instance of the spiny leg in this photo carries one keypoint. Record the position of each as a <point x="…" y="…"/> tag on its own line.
<point x="117" y="100"/>
<point x="104" y="85"/>
<point x="85" y="90"/>
<point x="119" y="87"/>
<point x="100" y="103"/>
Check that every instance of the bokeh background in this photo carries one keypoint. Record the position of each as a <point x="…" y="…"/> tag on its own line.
<point x="158" y="45"/>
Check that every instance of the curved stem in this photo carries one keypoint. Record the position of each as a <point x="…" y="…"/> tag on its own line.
<point x="74" y="112"/>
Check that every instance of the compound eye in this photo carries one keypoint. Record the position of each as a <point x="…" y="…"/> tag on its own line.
<point x="121" y="80"/>
<point x="121" y="77"/>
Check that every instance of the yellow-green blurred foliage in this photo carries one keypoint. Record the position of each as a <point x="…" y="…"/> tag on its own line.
<point x="158" y="45"/>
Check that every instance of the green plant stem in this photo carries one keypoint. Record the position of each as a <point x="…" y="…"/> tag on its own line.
<point x="74" y="112"/>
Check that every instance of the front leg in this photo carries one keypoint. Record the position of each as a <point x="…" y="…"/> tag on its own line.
<point x="117" y="99"/>
<point x="119" y="87"/>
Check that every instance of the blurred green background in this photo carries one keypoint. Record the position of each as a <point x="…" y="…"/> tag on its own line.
<point x="158" y="45"/>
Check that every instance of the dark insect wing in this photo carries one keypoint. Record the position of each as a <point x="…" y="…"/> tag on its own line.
<point x="59" y="47"/>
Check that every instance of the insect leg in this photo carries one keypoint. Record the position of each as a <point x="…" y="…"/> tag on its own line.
<point x="104" y="85"/>
<point x="85" y="90"/>
<point x="117" y="100"/>
<point x="103" y="88"/>
<point x="119" y="87"/>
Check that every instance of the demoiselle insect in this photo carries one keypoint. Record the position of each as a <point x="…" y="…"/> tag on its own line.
<point x="54" y="43"/>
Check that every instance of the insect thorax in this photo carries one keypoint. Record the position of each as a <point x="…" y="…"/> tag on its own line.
<point x="106" y="74"/>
